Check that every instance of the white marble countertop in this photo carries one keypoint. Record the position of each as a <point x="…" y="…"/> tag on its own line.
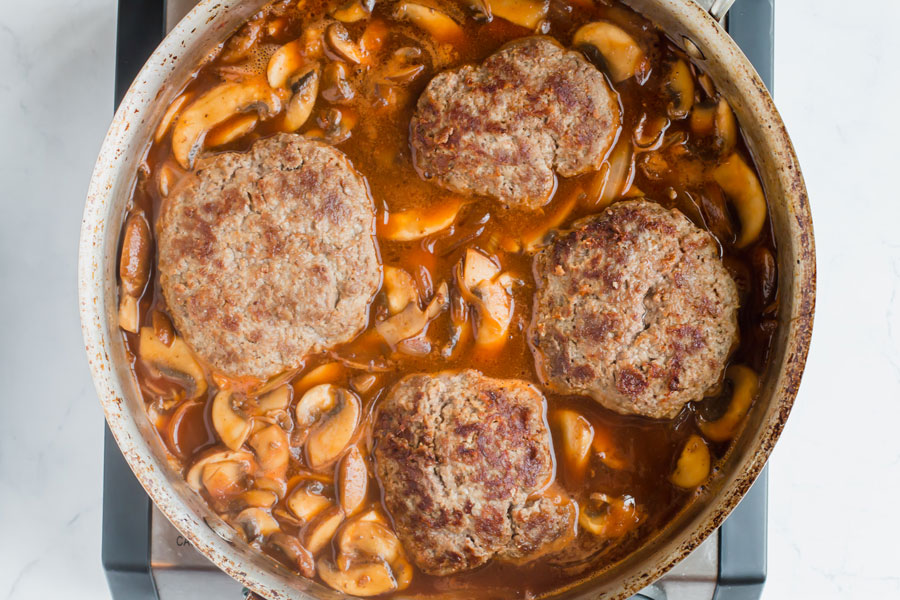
<point x="835" y="475"/>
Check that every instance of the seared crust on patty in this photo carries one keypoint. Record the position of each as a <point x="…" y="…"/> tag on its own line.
<point x="501" y="129"/>
<point x="634" y="308"/>
<point x="460" y="456"/>
<point x="269" y="255"/>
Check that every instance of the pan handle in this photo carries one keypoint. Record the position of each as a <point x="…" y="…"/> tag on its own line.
<point x="717" y="8"/>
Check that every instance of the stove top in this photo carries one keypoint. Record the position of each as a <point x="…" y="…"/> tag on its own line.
<point x="146" y="558"/>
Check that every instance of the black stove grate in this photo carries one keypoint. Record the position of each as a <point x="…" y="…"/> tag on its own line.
<point x="127" y="508"/>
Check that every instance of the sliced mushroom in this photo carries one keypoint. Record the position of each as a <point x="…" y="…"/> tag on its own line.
<point x="326" y="479"/>
<point x="491" y="297"/>
<point x="162" y="327"/>
<point x="419" y="345"/>
<point x="361" y="579"/>
<point x="525" y="13"/>
<point x="327" y="373"/>
<point x="167" y="177"/>
<point x="181" y="434"/>
<point x="268" y="484"/>
<point x="333" y="432"/>
<point x="650" y="132"/>
<point x="336" y="87"/>
<point x="339" y="40"/>
<point x="609" y="517"/>
<point x="222" y="474"/>
<point x="353" y="481"/>
<point x="312" y="40"/>
<point x="169" y="116"/>
<point x="363" y="382"/>
<point x="745" y="384"/>
<point x="319" y="532"/>
<point x="194" y="475"/>
<point x="714" y="209"/>
<point x="693" y="464"/>
<point x="405" y="74"/>
<point x="241" y="43"/>
<point x="256" y="524"/>
<point x="621" y="174"/>
<point x="621" y="54"/>
<point x="231" y="130"/>
<point x="223" y="480"/>
<point x="706" y="84"/>
<point x="317" y="401"/>
<point x="740" y="184"/>
<point x="495" y="307"/>
<point x="460" y="332"/>
<point x="215" y="107"/>
<point x="575" y="435"/>
<point x="232" y="426"/>
<point x="336" y="123"/>
<point x="766" y="272"/>
<point x="413" y="320"/>
<point x="605" y="450"/>
<point x="384" y="96"/>
<point x="286" y="61"/>
<point x="399" y="288"/>
<point x="532" y="240"/>
<point x="294" y="551"/>
<point x="353" y="11"/>
<point x="414" y="224"/>
<point x="438" y="24"/>
<point x="277" y="400"/>
<point x="285" y="516"/>
<point x="725" y="127"/>
<point x="373" y="37"/>
<point x="678" y="84"/>
<point x="272" y="450"/>
<point x="703" y="118"/>
<point x="477" y="268"/>
<point x="134" y="269"/>
<point x="368" y="539"/>
<point x="174" y="360"/>
<point x="137" y="244"/>
<point x="402" y="571"/>
<point x="307" y="500"/>
<point x="305" y="88"/>
<point x="404" y="66"/>
<point x="276" y="26"/>
<point x="257" y="498"/>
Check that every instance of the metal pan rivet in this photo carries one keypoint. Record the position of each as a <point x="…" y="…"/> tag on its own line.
<point x="691" y="48"/>
<point x="221" y="529"/>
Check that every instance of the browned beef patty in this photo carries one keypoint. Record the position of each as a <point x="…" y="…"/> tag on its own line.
<point x="501" y="129"/>
<point x="634" y="308"/>
<point x="459" y="456"/>
<point x="268" y="255"/>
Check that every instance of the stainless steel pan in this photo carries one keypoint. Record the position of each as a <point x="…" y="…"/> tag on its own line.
<point x="689" y="25"/>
